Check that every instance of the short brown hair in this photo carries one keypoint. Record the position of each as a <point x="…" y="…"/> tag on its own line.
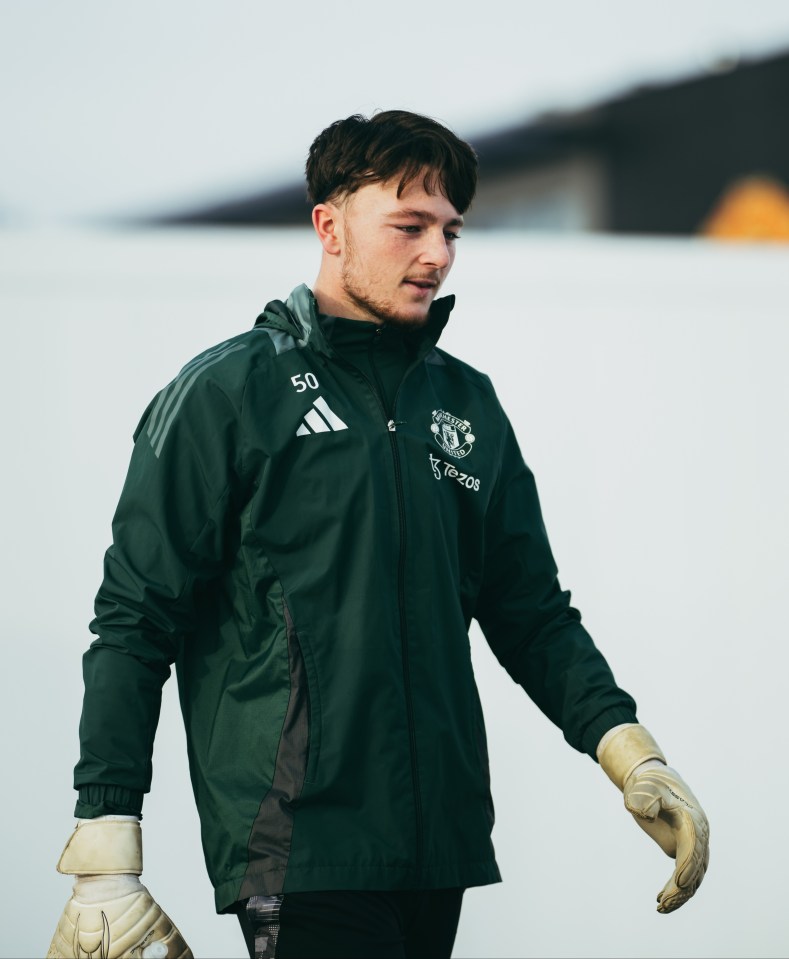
<point x="353" y="152"/>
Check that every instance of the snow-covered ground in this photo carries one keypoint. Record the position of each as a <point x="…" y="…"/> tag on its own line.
<point x="648" y="386"/>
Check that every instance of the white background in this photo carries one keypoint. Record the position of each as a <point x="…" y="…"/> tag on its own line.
<point x="647" y="382"/>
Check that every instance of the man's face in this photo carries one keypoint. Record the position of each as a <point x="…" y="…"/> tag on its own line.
<point x="396" y="251"/>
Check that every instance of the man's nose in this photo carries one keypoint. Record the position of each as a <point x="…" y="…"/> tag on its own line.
<point x="436" y="250"/>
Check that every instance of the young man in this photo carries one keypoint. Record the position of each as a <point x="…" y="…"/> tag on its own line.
<point x="314" y="512"/>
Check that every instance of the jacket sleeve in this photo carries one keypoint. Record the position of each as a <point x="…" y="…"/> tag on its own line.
<point x="529" y="623"/>
<point x="169" y="538"/>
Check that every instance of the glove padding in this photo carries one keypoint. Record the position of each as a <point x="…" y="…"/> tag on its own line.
<point x="666" y="809"/>
<point x="113" y="917"/>
<point x="662" y="805"/>
<point x="111" y="914"/>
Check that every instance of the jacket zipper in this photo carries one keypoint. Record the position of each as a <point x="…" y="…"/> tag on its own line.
<point x="376" y="389"/>
<point x="398" y="475"/>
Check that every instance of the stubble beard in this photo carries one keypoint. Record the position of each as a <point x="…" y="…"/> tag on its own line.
<point x="381" y="310"/>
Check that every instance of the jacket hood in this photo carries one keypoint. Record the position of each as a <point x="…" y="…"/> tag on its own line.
<point x="298" y="317"/>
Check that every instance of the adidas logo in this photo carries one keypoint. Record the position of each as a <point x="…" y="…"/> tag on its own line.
<point x="320" y="419"/>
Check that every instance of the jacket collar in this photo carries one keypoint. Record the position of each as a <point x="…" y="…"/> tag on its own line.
<point x="298" y="317"/>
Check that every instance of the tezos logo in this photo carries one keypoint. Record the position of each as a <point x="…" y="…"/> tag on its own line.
<point x="454" y="436"/>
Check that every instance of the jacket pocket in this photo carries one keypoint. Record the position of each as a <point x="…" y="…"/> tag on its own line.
<point x="305" y="694"/>
<point x="481" y="741"/>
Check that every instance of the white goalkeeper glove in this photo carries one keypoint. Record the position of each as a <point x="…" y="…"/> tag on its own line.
<point x="662" y="804"/>
<point x="110" y="913"/>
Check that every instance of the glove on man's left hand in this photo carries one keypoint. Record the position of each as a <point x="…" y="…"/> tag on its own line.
<point x="662" y="805"/>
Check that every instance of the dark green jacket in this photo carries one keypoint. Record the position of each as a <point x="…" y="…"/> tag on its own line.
<point x="312" y="567"/>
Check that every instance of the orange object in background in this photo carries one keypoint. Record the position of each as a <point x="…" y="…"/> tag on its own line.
<point x="754" y="208"/>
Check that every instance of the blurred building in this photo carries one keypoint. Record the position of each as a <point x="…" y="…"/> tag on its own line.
<point x="658" y="159"/>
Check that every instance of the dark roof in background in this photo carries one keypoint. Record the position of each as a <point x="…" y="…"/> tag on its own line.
<point x="680" y="142"/>
<point x="671" y="152"/>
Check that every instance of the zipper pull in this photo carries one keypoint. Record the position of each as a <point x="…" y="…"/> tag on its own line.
<point x="393" y="424"/>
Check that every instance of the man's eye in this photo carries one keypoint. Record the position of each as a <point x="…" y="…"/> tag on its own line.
<point x="452" y="236"/>
<point x="409" y="229"/>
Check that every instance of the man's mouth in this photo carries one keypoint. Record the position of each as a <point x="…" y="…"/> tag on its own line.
<point x="422" y="284"/>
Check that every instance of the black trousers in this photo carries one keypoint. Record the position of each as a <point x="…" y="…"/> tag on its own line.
<point x="418" y="924"/>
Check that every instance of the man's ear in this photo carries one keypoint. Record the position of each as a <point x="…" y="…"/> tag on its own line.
<point x="326" y="218"/>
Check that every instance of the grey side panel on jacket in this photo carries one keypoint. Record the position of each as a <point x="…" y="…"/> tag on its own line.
<point x="272" y="831"/>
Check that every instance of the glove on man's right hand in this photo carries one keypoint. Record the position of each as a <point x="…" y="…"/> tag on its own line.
<point x="111" y="914"/>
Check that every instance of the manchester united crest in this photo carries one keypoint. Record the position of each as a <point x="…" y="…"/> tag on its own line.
<point x="453" y="435"/>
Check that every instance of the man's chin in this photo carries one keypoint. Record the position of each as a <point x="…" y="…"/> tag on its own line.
<point x="407" y="315"/>
<point x="410" y="315"/>
<point x="404" y="318"/>
<point x="407" y="320"/>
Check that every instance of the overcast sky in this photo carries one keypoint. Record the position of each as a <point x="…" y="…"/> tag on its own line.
<point x="110" y="107"/>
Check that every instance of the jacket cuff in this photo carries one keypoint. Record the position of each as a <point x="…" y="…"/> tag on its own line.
<point x="600" y="725"/>
<point x="96" y="800"/>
